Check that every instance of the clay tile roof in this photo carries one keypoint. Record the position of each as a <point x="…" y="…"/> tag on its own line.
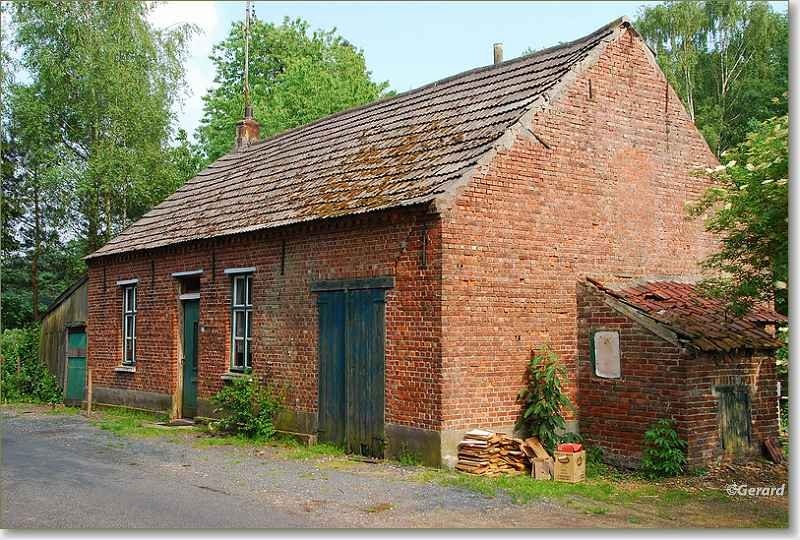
<point x="404" y="150"/>
<point x="701" y="321"/>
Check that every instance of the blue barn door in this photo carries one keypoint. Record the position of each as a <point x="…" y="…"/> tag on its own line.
<point x="351" y="369"/>
<point x="331" y="420"/>
<point x="364" y="367"/>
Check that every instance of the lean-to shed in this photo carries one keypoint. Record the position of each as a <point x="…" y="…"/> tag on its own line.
<point x="63" y="342"/>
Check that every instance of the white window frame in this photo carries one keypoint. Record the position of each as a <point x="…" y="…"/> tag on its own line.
<point x="246" y="308"/>
<point x="129" y="313"/>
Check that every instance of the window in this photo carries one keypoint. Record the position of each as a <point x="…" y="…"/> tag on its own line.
<point x="605" y="349"/>
<point x="129" y="324"/>
<point x="242" y="318"/>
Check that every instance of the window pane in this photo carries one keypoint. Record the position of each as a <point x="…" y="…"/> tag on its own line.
<point x="239" y="293"/>
<point x="249" y="290"/>
<point x="238" y="353"/>
<point x="249" y="324"/>
<point x="249" y="353"/>
<point x="127" y="295"/>
<point x="133" y="299"/>
<point x="128" y="350"/>
<point x="128" y="326"/>
<point x="238" y="323"/>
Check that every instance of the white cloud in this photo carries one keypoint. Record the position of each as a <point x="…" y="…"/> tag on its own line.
<point x="199" y="70"/>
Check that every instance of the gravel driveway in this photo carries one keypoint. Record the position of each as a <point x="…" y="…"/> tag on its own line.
<point x="60" y="471"/>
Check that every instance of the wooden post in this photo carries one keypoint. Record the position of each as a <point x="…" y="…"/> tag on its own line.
<point x="89" y="392"/>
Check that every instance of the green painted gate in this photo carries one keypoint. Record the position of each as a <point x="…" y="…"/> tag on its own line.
<point x="191" y="319"/>
<point x="351" y="365"/>
<point x="734" y="418"/>
<point x="75" y="386"/>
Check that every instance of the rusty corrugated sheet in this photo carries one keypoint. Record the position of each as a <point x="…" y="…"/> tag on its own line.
<point x="400" y="151"/>
<point x="704" y="322"/>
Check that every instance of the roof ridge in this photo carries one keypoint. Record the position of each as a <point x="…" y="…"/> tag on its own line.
<point x="375" y="156"/>
<point x="616" y="22"/>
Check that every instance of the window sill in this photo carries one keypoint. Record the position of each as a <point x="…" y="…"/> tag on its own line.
<point x="234" y="375"/>
<point x="125" y="369"/>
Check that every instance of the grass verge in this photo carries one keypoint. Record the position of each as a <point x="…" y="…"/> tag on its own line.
<point x="131" y="422"/>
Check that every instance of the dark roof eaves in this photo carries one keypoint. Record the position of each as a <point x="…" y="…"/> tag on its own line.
<point x="264" y="227"/>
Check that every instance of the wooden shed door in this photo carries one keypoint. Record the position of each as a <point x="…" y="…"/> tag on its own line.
<point x="734" y="418"/>
<point x="351" y="372"/>
<point x="76" y="365"/>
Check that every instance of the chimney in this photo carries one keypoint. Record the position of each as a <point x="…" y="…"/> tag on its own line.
<point x="498" y="53"/>
<point x="247" y="130"/>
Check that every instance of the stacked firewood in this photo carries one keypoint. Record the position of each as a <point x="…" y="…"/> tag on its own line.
<point x="487" y="453"/>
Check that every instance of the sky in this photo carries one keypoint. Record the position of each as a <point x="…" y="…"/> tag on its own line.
<point x="407" y="44"/>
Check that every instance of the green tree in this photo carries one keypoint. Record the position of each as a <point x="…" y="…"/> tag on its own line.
<point x="748" y="209"/>
<point x="108" y="80"/>
<point x="87" y="137"/>
<point x="544" y="399"/>
<point x="295" y="77"/>
<point x="725" y="58"/>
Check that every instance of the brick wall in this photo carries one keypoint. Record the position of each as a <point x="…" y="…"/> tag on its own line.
<point x="700" y="421"/>
<point x="285" y="312"/>
<point x="605" y="197"/>
<point x="661" y="380"/>
<point x="615" y="413"/>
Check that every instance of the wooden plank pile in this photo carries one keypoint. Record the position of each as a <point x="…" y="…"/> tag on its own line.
<point x="487" y="453"/>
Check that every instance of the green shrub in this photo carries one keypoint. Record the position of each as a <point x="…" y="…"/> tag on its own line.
<point x="784" y="416"/>
<point x="246" y="407"/>
<point x="595" y="466"/>
<point x="664" y="452"/>
<point x="570" y="437"/>
<point x="543" y="399"/>
<point x="24" y="376"/>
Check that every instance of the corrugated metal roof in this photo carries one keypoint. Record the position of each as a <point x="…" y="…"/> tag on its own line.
<point x="704" y="322"/>
<point x="400" y="151"/>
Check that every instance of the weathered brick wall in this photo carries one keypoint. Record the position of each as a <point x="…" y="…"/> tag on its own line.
<point x="700" y="421"/>
<point x="285" y="312"/>
<point x="605" y="197"/>
<point x="615" y="413"/>
<point x="661" y="380"/>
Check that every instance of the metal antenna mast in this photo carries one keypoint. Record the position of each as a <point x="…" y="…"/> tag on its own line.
<point x="248" y="107"/>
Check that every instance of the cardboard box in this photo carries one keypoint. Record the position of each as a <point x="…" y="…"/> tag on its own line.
<point x="542" y="468"/>
<point x="570" y="467"/>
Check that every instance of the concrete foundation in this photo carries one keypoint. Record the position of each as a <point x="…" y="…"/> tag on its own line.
<point x="423" y="444"/>
<point x="296" y="422"/>
<point x="136" y="399"/>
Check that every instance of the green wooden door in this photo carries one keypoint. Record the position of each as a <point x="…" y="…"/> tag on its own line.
<point x="331" y="420"/>
<point x="76" y="365"/>
<point x="364" y="357"/>
<point x="734" y="419"/>
<point x="351" y="370"/>
<point x="191" y="320"/>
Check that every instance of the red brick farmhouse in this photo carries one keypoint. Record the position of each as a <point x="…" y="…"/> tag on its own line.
<point x="391" y="267"/>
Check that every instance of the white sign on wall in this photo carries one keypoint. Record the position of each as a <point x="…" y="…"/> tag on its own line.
<point x="606" y="355"/>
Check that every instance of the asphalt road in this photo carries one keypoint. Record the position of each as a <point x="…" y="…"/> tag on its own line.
<point x="53" y="479"/>
<point x="61" y="471"/>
